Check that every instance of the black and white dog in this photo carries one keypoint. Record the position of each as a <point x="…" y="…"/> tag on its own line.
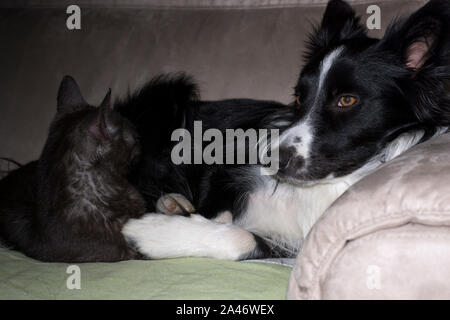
<point x="360" y="102"/>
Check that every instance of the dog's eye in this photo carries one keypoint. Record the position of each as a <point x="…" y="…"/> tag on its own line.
<point x="347" y="101"/>
<point x="298" y="101"/>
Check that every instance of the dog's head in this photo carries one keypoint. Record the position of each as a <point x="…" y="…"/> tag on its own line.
<point x="355" y="93"/>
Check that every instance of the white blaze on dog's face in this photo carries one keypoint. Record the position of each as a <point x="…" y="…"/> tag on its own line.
<point x="299" y="138"/>
<point x="351" y="95"/>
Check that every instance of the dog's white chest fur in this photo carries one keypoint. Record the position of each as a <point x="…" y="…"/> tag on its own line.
<point x="286" y="215"/>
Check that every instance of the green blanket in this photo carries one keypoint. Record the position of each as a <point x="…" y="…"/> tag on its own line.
<point x="187" y="278"/>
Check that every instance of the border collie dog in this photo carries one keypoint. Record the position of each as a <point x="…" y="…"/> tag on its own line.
<point x="359" y="102"/>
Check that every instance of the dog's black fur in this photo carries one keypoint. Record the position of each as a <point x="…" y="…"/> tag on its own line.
<point x="172" y="101"/>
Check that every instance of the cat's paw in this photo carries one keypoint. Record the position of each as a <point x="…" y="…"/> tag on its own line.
<point x="174" y="203"/>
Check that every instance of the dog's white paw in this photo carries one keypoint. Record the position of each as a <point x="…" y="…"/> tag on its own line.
<point x="161" y="236"/>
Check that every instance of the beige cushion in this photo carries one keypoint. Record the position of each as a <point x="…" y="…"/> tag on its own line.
<point x="387" y="237"/>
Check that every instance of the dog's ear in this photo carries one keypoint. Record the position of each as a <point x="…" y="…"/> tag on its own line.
<point x="69" y="94"/>
<point x="421" y="45"/>
<point x="422" y="38"/>
<point x="339" y="23"/>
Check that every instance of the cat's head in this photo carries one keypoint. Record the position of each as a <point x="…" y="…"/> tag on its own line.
<point x="90" y="136"/>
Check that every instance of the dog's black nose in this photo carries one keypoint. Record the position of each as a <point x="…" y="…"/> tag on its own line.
<point x="286" y="155"/>
<point x="290" y="162"/>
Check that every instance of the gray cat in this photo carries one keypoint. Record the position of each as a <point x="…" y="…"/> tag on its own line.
<point x="71" y="204"/>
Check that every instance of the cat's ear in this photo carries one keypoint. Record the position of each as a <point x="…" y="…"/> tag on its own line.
<point x="106" y="103"/>
<point x="104" y="127"/>
<point x="106" y="111"/>
<point x="69" y="94"/>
